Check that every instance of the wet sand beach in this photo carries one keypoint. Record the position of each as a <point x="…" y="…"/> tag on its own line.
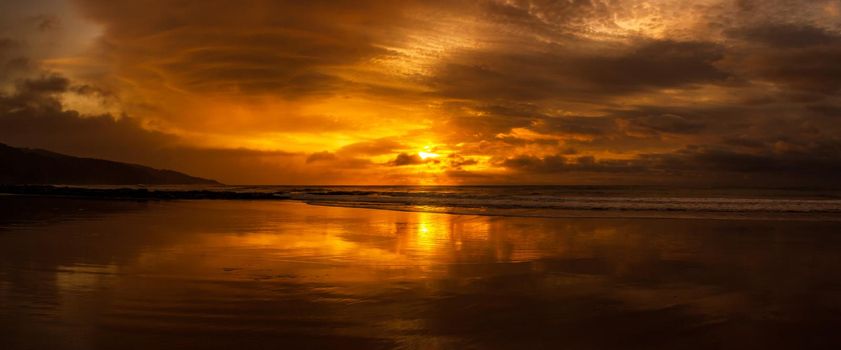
<point x="106" y="274"/>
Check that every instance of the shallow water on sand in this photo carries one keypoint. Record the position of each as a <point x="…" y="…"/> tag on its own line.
<point x="81" y="274"/>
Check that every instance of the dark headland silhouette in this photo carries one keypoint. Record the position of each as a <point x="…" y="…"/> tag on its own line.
<point x="24" y="166"/>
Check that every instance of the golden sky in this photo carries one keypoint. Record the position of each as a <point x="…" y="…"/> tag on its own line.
<point x="432" y="92"/>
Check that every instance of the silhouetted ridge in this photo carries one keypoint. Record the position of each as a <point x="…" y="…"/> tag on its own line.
<point x="35" y="166"/>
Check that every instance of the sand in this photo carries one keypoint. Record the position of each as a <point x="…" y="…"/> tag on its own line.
<point x="103" y="274"/>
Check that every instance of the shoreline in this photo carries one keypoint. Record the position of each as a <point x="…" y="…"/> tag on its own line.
<point x="145" y="194"/>
<point x="605" y="214"/>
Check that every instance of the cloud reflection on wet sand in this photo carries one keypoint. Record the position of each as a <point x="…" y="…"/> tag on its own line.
<point x="216" y="274"/>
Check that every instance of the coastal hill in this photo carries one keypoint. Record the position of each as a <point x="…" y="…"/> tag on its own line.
<point x="20" y="166"/>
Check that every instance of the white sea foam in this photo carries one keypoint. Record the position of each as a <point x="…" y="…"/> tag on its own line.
<point x="548" y="200"/>
<point x="560" y="201"/>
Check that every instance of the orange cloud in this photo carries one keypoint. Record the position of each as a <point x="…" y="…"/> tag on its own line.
<point x="367" y="91"/>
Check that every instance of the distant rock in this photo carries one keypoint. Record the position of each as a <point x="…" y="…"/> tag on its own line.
<point x="34" y="166"/>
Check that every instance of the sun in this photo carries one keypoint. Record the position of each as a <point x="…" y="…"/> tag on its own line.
<point x="427" y="153"/>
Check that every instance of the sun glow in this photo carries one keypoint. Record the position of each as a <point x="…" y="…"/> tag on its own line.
<point x="428" y="152"/>
<point x="427" y="155"/>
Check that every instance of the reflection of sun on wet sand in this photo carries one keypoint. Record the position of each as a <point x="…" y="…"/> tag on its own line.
<point x="218" y="274"/>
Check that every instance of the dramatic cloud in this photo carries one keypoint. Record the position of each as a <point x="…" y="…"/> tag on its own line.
<point x="565" y="73"/>
<point x="735" y="92"/>
<point x="406" y="159"/>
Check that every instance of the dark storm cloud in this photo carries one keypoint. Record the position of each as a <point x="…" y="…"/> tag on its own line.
<point x="819" y="164"/>
<point x="7" y="44"/>
<point x="574" y="125"/>
<point x="456" y="161"/>
<point x="786" y="35"/>
<point x="495" y="122"/>
<point x="507" y="88"/>
<point x="321" y="157"/>
<point x="661" y="63"/>
<point x="809" y="69"/>
<point x="665" y="123"/>
<point x="771" y="119"/>
<point x="816" y="164"/>
<point x="13" y="65"/>
<point x="515" y="141"/>
<point x="826" y="110"/>
<point x="46" y="22"/>
<point x="45" y="85"/>
<point x="820" y="161"/>
<point x="574" y="75"/>
<point x="547" y="164"/>
<point x="798" y="56"/>
<point x="406" y="159"/>
<point x="561" y="164"/>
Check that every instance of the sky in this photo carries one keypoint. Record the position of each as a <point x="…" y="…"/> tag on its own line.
<point x="368" y="92"/>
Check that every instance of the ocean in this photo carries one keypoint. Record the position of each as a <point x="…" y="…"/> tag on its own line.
<point x="528" y="201"/>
